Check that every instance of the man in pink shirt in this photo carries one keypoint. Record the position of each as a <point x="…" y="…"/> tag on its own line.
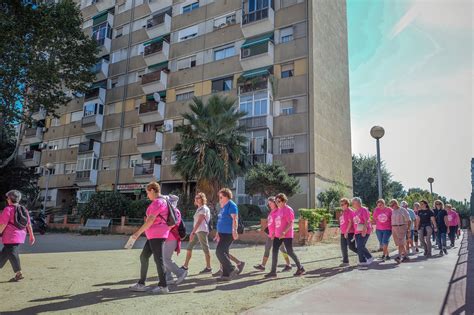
<point x="13" y="235"/>
<point x="383" y="223"/>
<point x="453" y="223"/>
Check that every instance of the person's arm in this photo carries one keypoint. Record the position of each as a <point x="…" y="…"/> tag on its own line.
<point x="446" y="222"/>
<point x="235" y="224"/>
<point x="434" y="223"/>
<point x="2" y="228"/>
<point x="417" y="223"/>
<point x="149" y="222"/>
<point x="201" y="218"/>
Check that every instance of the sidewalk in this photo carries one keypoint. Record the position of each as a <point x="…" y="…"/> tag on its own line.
<point x="416" y="287"/>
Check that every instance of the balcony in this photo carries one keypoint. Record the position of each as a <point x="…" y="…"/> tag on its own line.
<point x="151" y="111"/>
<point x="92" y="123"/>
<point x="259" y="122"/>
<point x="88" y="147"/>
<point x="33" y="135"/>
<point x="147" y="172"/>
<point x="39" y="115"/>
<point x="261" y="158"/>
<point x="86" y="178"/>
<point x="157" y="5"/>
<point x="96" y="94"/>
<point x="31" y="158"/>
<point x="103" y="23"/>
<point x="257" y="22"/>
<point x="101" y="70"/>
<point x="149" y="141"/>
<point x="257" y="52"/>
<point x="159" y="24"/>
<point x="156" y="51"/>
<point x="155" y="81"/>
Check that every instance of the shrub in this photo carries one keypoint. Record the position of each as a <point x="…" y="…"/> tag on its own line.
<point x="250" y="212"/>
<point x="137" y="208"/>
<point x="107" y="204"/>
<point x="315" y="217"/>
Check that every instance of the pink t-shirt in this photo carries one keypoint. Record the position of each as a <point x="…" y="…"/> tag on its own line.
<point x="361" y="216"/>
<point x="281" y="218"/>
<point x="383" y="219"/>
<point x="173" y="231"/>
<point x="270" y="223"/>
<point x="344" y="220"/>
<point x="11" y="234"/>
<point x="453" y="218"/>
<point x="159" y="229"/>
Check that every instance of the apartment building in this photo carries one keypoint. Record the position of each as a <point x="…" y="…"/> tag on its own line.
<point x="285" y="63"/>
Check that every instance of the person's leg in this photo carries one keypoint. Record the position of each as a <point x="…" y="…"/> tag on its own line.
<point x="266" y="252"/>
<point x="144" y="258"/>
<point x="360" y="248"/>
<point x="170" y="266"/>
<point x="15" y="258"/>
<point x="222" y="252"/>
<point x="429" y="232"/>
<point x="289" y="249"/>
<point x="351" y="242"/>
<point x="344" y="251"/>
<point x="204" y="241"/>
<point x="276" y="247"/>
<point x="156" y="245"/>
<point x="189" y="251"/>
<point x="285" y="255"/>
<point x="385" y="241"/>
<point x="452" y="235"/>
<point x="379" y="234"/>
<point x="4" y="255"/>
<point x="367" y="253"/>
<point x="443" y="242"/>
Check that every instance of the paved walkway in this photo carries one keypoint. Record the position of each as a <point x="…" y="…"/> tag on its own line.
<point x="418" y="287"/>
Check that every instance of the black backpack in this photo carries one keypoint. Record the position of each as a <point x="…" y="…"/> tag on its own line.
<point x="21" y="217"/>
<point x="172" y="217"/>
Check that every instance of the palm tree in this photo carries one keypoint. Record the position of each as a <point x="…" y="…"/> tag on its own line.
<point x="213" y="149"/>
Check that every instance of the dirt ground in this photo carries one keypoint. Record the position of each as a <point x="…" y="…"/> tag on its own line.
<point x="96" y="282"/>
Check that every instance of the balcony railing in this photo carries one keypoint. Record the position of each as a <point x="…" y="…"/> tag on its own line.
<point x="261" y="158"/>
<point x="148" y="107"/>
<point x="29" y="155"/>
<point x="150" y="77"/>
<point x="256" y="122"/>
<point x="31" y="132"/>
<point x="153" y="48"/>
<point x="83" y="175"/>
<point x="255" y="16"/>
<point x="252" y="86"/>
<point x="94" y="93"/>
<point x="86" y="146"/>
<point x="88" y="120"/>
<point x="156" y="20"/>
<point x="143" y="169"/>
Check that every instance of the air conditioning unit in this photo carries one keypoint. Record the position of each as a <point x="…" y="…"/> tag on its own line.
<point x="39" y="170"/>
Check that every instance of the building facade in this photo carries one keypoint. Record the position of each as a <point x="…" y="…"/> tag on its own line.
<point x="285" y="62"/>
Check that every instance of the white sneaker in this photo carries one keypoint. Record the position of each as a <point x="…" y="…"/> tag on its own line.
<point x="182" y="277"/>
<point x="171" y="281"/>
<point x="138" y="287"/>
<point x="160" y="290"/>
<point x="370" y="260"/>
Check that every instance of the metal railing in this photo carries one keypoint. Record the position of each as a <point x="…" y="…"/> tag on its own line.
<point x="150" y="77"/>
<point x="148" y="107"/>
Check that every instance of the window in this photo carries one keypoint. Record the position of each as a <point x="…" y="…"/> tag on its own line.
<point x="86" y="162"/>
<point x="287" y="111"/>
<point x="55" y="122"/>
<point x="222" y="53"/>
<point x="255" y="10"/>
<point x="119" y="55"/>
<point x="222" y="85"/>
<point x="255" y="104"/>
<point x="118" y="32"/>
<point x="287" y="70"/>
<point x="109" y="164"/>
<point x="127" y="133"/>
<point x="134" y="160"/>
<point x="70" y="168"/>
<point x="184" y="94"/>
<point x="54" y="145"/>
<point x="186" y="63"/>
<point x="139" y="24"/>
<point x="112" y="135"/>
<point x="254" y="50"/>
<point x="84" y="196"/>
<point x="132" y="77"/>
<point x="73" y="142"/>
<point x="188" y="8"/>
<point x="287" y="145"/>
<point x="188" y="33"/>
<point x="286" y="34"/>
<point x="101" y="32"/>
<point x="76" y="116"/>
<point x="124" y="7"/>
<point x="288" y="107"/>
<point x="92" y="109"/>
<point x="111" y="109"/>
<point x="224" y="21"/>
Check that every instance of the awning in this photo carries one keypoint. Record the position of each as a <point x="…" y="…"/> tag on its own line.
<point x="265" y="71"/>
<point x="151" y="155"/>
<point x="159" y="66"/>
<point x="257" y="40"/>
<point x="154" y="40"/>
<point x="99" y="18"/>
<point x="150" y="97"/>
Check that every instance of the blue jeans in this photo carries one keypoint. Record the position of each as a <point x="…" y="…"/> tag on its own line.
<point x="441" y="239"/>
<point x="383" y="236"/>
<point x="362" y="251"/>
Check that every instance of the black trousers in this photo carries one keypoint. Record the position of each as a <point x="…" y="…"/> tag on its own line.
<point x="153" y="247"/>
<point x="348" y="242"/>
<point x="289" y="249"/>
<point x="452" y="234"/>
<point x="222" y="253"/>
<point x="10" y="253"/>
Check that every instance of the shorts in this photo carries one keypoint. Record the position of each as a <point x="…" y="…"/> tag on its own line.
<point x="200" y="237"/>
<point x="383" y="236"/>
<point x="399" y="235"/>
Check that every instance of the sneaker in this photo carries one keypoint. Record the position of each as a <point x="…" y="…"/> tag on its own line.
<point x="299" y="272"/>
<point x="388" y="258"/>
<point x="259" y="267"/>
<point x="286" y="268"/>
<point x="240" y="267"/>
<point x="205" y="270"/>
<point x="217" y="274"/>
<point x="171" y="281"/>
<point x="138" y="287"/>
<point x="441" y="253"/>
<point x="445" y="251"/>
<point x="398" y="260"/>
<point x="16" y="278"/>
<point x="344" y="265"/>
<point x="370" y="260"/>
<point x="381" y="257"/>
<point x="270" y="275"/>
<point x="160" y="290"/>
<point x="234" y="273"/>
<point x="417" y="250"/>
<point x="182" y="277"/>
<point x="223" y="279"/>
<point x="184" y="268"/>
<point x="404" y="259"/>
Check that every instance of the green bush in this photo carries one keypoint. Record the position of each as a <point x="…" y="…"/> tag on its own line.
<point x="107" y="204"/>
<point x="315" y="217"/>
<point x="137" y="208"/>
<point x="250" y="212"/>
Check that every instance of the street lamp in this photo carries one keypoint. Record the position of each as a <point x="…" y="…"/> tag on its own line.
<point x="431" y="180"/>
<point x="377" y="133"/>
<point x="49" y="167"/>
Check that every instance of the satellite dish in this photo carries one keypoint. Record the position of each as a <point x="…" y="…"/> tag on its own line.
<point x="157" y="97"/>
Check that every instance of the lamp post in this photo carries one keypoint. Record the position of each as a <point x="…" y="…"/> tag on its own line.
<point x="431" y="180"/>
<point x="377" y="133"/>
<point x="49" y="167"/>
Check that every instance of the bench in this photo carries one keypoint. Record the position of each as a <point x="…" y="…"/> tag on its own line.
<point x="97" y="224"/>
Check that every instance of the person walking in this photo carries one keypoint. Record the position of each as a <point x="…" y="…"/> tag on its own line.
<point x="411" y="232"/>
<point x="173" y="244"/>
<point x="226" y="233"/>
<point x="383" y="224"/>
<point x="425" y="223"/>
<point x="443" y="227"/>
<point x="453" y="220"/>
<point x="347" y="231"/>
<point x="13" y="233"/>
<point x="416" y="207"/>
<point x="401" y="223"/>
<point x="156" y="230"/>
<point x="272" y="206"/>
<point x="362" y="230"/>
<point x="437" y="205"/>
<point x="200" y="232"/>
<point x="283" y="233"/>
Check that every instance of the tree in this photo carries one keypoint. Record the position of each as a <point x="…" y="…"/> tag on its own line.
<point x="45" y="59"/>
<point x="330" y="198"/>
<point x="270" y="179"/>
<point x="213" y="149"/>
<point x="108" y="204"/>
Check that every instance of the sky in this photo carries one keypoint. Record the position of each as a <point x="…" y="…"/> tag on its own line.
<point x="410" y="68"/>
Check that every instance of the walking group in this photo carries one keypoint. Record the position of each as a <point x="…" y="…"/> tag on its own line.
<point x="411" y="229"/>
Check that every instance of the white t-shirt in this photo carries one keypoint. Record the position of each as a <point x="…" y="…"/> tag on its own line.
<point x="207" y="215"/>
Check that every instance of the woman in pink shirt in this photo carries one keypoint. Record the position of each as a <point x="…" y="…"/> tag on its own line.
<point x="156" y="230"/>
<point x="347" y="231"/>
<point x="453" y="222"/>
<point x="12" y="236"/>
<point x="282" y="233"/>
<point x="362" y="229"/>
<point x="383" y="223"/>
